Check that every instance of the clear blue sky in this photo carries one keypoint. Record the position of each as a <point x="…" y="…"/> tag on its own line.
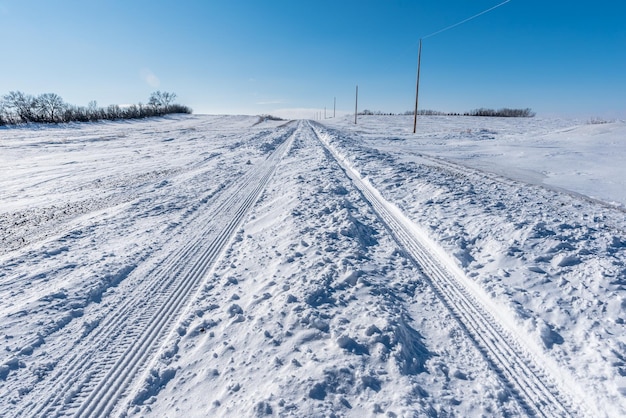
<point x="244" y="56"/>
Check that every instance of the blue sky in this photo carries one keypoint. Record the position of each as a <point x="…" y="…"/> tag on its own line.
<point x="252" y="57"/>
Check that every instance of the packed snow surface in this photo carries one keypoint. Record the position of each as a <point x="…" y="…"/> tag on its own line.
<point x="236" y="266"/>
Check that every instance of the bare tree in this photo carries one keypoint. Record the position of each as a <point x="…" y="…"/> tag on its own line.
<point x="114" y="112"/>
<point x="24" y="105"/>
<point x="50" y="107"/>
<point x="3" y="118"/>
<point x="161" y="99"/>
<point x="93" y="112"/>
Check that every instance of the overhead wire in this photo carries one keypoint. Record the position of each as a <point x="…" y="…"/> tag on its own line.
<point x="465" y="20"/>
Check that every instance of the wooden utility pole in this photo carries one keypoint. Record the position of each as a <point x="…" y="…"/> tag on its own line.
<point x="356" y="103"/>
<point x="417" y="87"/>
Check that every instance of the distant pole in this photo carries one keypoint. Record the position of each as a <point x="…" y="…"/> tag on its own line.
<point x="334" y="106"/>
<point x="417" y="86"/>
<point x="356" y="103"/>
<point x="324" y="112"/>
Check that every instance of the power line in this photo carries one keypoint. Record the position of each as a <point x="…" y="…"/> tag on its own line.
<point x="466" y="20"/>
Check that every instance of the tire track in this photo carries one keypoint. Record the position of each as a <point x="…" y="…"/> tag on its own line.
<point x="528" y="382"/>
<point x="91" y="379"/>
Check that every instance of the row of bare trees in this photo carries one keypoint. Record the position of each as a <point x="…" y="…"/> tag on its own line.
<point x="17" y="107"/>
<point x="504" y="112"/>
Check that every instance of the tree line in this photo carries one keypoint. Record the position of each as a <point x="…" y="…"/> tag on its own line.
<point x="503" y="113"/>
<point x="17" y="107"/>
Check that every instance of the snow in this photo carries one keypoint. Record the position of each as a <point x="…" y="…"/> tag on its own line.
<point x="227" y="266"/>
<point x="580" y="156"/>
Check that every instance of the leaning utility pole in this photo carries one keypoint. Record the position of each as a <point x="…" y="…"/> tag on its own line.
<point x="356" y="103"/>
<point x="417" y="88"/>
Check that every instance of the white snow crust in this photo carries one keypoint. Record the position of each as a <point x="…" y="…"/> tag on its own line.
<point x="235" y="266"/>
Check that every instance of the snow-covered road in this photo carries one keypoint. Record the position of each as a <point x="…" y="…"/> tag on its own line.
<point x="217" y="266"/>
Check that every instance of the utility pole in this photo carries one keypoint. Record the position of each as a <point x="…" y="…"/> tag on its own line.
<point x="417" y="87"/>
<point x="324" y="112"/>
<point x="334" y="106"/>
<point x="447" y="28"/>
<point x="356" y="103"/>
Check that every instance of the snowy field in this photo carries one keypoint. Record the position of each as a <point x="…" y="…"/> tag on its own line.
<point x="227" y="266"/>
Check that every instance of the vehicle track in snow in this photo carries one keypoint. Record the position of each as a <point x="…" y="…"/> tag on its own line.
<point x="523" y="374"/>
<point x="94" y="375"/>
